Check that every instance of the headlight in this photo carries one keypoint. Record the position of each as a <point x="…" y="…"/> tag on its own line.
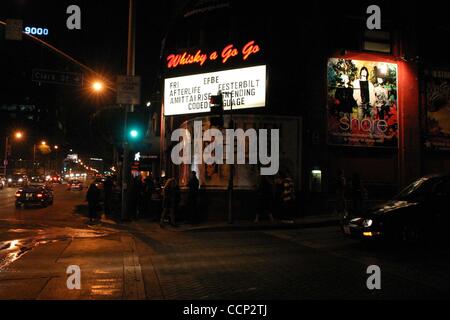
<point x="367" y="223"/>
<point x="9" y="180"/>
<point x="20" y="180"/>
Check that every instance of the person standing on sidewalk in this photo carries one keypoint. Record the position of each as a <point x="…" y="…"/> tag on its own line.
<point x="359" y="196"/>
<point x="193" y="185"/>
<point x="265" y="199"/>
<point x="93" y="199"/>
<point x="288" y="197"/>
<point x="341" y="186"/>
<point x="169" y="202"/>
<point x="108" y="189"/>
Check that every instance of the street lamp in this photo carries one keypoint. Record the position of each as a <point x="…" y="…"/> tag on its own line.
<point x="18" y="135"/>
<point x="43" y="143"/>
<point x="97" y="86"/>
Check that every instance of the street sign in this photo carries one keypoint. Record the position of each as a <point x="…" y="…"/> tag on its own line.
<point x="128" y="90"/>
<point x="57" y="77"/>
<point x="14" y="28"/>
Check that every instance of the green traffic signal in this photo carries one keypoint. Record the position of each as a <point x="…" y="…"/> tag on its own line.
<point x="134" y="134"/>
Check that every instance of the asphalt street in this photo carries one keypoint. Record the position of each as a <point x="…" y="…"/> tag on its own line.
<point x="139" y="260"/>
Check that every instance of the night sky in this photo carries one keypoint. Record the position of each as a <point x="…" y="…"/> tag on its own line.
<point x="102" y="45"/>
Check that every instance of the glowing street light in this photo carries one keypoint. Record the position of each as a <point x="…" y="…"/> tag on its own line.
<point x="97" y="86"/>
<point x="18" y="135"/>
<point x="43" y="142"/>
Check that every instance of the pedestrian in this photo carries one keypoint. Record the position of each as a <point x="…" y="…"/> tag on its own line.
<point x="193" y="185"/>
<point x="93" y="199"/>
<point x="288" y="197"/>
<point x="147" y="192"/>
<point x="341" y="186"/>
<point x="169" y="202"/>
<point x="135" y="196"/>
<point x="265" y="199"/>
<point x="108" y="190"/>
<point x="278" y="196"/>
<point x="359" y="196"/>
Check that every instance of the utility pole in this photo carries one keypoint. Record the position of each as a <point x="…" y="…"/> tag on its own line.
<point x="231" y="174"/>
<point x="216" y="101"/>
<point x="130" y="72"/>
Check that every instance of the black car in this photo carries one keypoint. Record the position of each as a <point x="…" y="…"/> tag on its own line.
<point x="34" y="195"/>
<point x="419" y="212"/>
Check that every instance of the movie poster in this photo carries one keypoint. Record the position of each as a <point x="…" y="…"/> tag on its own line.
<point x="362" y="103"/>
<point x="438" y="110"/>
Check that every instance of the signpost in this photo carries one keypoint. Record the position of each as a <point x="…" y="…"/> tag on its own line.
<point x="128" y="90"/>
<point x="57" y="77"/>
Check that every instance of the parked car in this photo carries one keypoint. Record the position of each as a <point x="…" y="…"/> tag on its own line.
<point x="34" y="194"/>
<point x="75" y="185"/>
<point x="419" y="212"/>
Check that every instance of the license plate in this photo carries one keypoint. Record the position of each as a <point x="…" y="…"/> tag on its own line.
<point x="29" y="195"/>
<point x="346" y="230"/>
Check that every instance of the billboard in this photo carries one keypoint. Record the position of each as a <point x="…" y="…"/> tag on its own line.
<point x="190" y="94"/>
<point x="362" y="103"/>
<point x="438" y="109"/>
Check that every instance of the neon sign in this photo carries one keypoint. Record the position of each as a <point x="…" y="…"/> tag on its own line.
<point x="228" y="52"/>
<point x="36" y="31"/>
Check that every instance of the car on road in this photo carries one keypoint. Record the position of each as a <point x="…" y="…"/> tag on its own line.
<point x="75" y="185"/>
<point x="418" y="213"/>
<point x="56" y="179"/>
<point x="16" y="180"/>
<point x="34" y="194"/>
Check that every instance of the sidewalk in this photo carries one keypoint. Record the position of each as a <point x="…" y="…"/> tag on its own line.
<point x="109" y="269"/>
<point x="313" y="221"/>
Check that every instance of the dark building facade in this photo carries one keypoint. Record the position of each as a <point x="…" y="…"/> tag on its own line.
<point x="371" y="102"/>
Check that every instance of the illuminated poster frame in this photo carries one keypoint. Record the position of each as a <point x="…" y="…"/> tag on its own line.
<point x="437" y="100"/>
<point x="362" y="103"/>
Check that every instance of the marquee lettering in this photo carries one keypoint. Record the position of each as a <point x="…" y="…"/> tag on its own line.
<point x="229" y="52"/>
<point x="249" y="49"/>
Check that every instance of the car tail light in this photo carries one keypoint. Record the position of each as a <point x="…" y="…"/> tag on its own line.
<point x="18" y="194"/>
<point x="39" y="195"/>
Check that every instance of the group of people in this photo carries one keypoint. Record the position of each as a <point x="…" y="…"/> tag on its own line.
<point x="171" y="200"/>
<point x="276" y="197"/>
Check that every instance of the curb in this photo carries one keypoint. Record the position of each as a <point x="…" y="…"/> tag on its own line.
<point x="256" y="227"/>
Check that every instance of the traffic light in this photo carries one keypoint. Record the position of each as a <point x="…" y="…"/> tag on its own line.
<point x="137" y="124"/>
<point x="134" y="133"/>
<point x="216" y="106"/>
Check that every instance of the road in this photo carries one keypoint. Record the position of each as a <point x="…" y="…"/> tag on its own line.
<point x="139" y="260"/>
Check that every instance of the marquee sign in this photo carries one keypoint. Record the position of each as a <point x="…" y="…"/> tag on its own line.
<point x="228" y="53"/>
<point x="190" y="94"/>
